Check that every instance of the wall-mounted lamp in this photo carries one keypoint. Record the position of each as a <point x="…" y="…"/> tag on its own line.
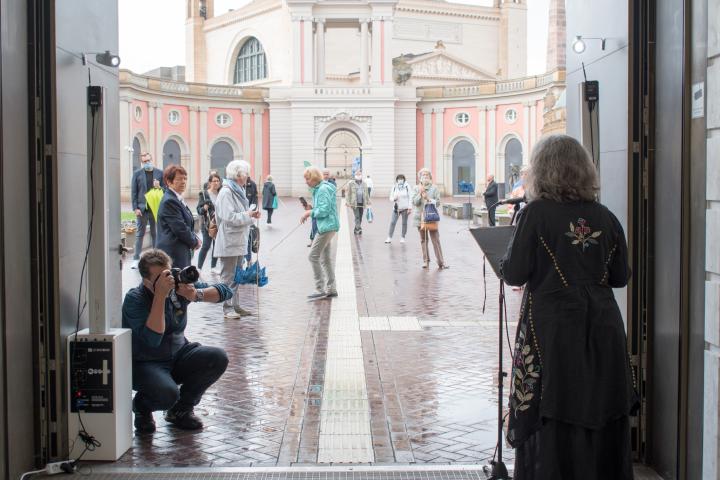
<point x="103" y="58"/>
<point x="578" y="44"/>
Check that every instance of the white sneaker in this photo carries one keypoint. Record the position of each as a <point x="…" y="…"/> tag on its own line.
<point x="231" y="314"/>
<point x="402" y="239"/>
<point x="388" y="240"/>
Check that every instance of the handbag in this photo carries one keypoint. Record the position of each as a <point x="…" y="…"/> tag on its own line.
<point x="212" y="227"/>
<point x="254" y="239"/>
<point x="275" y="203"/>
<point x="430" y="218"/>
<point x="369" y="214"/>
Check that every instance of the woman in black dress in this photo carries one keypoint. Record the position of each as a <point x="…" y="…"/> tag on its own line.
<point x="206" y="210"/>
<point x="572" y="388"/>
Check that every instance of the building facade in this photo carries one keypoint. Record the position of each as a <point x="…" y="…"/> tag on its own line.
<point x="389" y="86"/>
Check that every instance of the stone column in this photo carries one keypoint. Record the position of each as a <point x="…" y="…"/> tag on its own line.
<point x="204" y="154"/>
<point x="198" y="172"/>
<point x="427" y="137"/>
<point x="159" y="132"/>
<point x="151" y="142"/>
<point x="308" y="57"/>
<point x="386" y="40"/>
<point x="320" y="40"/>
<point x="492" y="156"/>
<point x="533" y="130"/>
<point x="481" y="154"/>
<point x="376" y="59"/>
<point x="246" y="111"/>
<point x="364" y="40"/>
<point x="296" y="51"/>
<point x="259" y="111"/>
<point x="439" y="175"/>
<point x="526" y="133"/>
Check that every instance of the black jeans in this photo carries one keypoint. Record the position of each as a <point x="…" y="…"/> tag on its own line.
<point x="142" y="223"/>
<point x="269" y="214"/>
<point x="195" y="367"/>
<point x="207" y="244"/>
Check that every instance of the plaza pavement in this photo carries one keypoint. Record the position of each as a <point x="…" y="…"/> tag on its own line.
<point x="399" y="369"/>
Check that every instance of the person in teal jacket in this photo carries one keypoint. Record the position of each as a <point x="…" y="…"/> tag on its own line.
<point x="325" y="213"/>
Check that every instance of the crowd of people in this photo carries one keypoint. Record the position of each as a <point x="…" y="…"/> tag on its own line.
<point x="572" y="388"/>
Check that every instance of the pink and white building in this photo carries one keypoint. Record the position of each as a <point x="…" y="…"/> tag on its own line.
<point x="393" y="85"/>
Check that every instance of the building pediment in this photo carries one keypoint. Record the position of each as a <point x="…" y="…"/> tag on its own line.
<point x="442" y="65"/>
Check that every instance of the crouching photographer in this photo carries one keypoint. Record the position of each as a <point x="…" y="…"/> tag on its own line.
<point x="163" y="359"/>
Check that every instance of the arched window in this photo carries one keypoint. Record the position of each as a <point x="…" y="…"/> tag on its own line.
<point x="250" y="63"/>
<point x="513" y="163"/>
<point x="171" y="153"/>
<point x="220" y="155"/>
<point x="463" y="165"/>
<point x="136" y="154"/>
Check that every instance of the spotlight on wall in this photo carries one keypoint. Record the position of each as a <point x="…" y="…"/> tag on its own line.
<point x="578" y="44"/>
<point x="103" y="58"/>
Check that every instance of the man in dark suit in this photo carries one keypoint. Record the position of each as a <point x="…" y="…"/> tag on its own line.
<point x="142" y="182"/>
<point x="176" y="236"/>
<point x="251" y="191"/>
<point x="491" y="198"/>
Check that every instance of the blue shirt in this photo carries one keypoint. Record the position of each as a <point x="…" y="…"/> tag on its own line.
<point x="147" y="344"/>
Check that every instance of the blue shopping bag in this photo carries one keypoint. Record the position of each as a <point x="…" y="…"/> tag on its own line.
<point x="369" y="215"/>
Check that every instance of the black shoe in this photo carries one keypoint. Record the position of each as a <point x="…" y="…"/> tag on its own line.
<point x="144" y="422"/>
<point x="183" y="417"/>
<point x="316" y="296"/>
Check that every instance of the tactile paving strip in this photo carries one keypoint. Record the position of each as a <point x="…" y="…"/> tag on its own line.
<point x="345" y="435"/>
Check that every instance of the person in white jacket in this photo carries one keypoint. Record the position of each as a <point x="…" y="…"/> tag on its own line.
<point x="234" y="217"/>
<point x="400" y="196"/>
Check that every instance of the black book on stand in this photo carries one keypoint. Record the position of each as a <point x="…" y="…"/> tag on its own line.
<point x="494" y="241"/>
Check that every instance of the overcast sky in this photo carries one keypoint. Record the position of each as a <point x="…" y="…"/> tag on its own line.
<point x="152" y="33"/>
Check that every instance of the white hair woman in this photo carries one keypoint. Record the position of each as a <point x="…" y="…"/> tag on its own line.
<point x="572" y="387"/>
<point x="234" y="219"/>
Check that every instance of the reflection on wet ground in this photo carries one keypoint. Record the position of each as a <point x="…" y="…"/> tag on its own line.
<point x="431" y="391"/>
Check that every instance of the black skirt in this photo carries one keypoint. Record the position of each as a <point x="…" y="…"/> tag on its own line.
<point x="562" y="451"/>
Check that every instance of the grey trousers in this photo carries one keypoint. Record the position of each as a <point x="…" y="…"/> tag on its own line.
<point x="227" y="276"/>
<point x="322" y="259"/>
<point x="435" y="238"/>
<point x="358" y="218"/>
<point x="402" y="213"/>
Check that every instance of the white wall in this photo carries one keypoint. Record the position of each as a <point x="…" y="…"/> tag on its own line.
<point x="610" y="68"/>
<point x="477" y="43"/>
<point x="272" y="29"/>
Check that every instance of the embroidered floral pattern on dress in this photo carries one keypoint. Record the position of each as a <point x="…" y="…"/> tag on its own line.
<point x="582" y="234"/>
<point x="525" y="371"/>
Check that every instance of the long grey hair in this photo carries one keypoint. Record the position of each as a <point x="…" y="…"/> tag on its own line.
<point x="561" y="170"/>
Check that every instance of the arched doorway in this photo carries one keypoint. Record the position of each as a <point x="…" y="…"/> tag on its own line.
<point x="136" y="153"/>
<point x="343" y="153"/>
<point x="463" y="166"/>
<point x="171" y="153"/>
<point x="220" y="155"/>
<point x="513" y="163"/>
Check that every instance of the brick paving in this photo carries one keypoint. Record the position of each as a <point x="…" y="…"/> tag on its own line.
<point x="432" y="395"/>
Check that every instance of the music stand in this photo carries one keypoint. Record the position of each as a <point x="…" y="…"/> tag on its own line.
<point x="493" y="241"/>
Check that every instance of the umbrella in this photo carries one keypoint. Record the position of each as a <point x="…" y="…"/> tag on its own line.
<point x="251" y="275"/>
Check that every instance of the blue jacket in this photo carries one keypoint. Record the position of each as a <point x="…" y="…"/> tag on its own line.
<point x="147" y="344"/>
<point x="138" y="187"/>
<point x="175" y="235"/>
<point x="324" y="210"/>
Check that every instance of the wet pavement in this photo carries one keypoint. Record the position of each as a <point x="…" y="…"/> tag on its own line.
<point x="423" y="388"/>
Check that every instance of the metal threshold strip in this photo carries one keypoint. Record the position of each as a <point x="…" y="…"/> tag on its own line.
<point x="365" y="472"/>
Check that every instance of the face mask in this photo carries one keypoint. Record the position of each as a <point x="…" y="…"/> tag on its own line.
<point x="400" y="182"/>
<point x="148" y="166"/>
<point x="425" y="181"/>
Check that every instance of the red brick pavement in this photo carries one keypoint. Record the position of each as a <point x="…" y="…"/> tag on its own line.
<point x="431" y="392"/>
